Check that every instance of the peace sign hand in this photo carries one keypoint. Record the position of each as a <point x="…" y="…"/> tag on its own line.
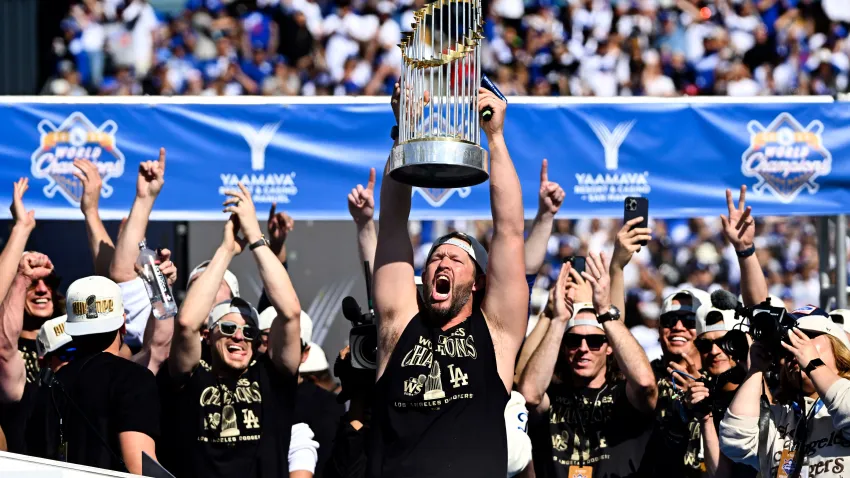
<point x="739" y="228"/>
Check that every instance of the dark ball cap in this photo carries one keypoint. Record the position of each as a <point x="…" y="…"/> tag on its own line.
<point x="469" y="244"/>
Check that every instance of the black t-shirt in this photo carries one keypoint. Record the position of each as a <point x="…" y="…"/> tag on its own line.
<point x="112" y="394"/>
<point x="14" y="416"/>
<point x="593" y="427"/>
<point x="228" y="427"/>
<point x="440" y="405"/>
<point x="319" y="409"/>
<point x="675" y="446"/>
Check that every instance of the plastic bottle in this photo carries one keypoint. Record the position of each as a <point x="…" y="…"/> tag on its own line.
<point x="159" y="292"/>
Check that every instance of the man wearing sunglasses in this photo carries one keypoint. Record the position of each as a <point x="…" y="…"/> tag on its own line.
<point x="586" y="420"/>
<point x="709" y="392"/>
<point x="232" y="415"/>
<point x="673" y="436"/>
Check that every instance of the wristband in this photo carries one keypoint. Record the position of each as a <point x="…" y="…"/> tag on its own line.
<point x="746" y="252"/>
<point x="261" y="242"/>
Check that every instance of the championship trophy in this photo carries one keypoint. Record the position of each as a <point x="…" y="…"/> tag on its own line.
<point x="439" y="140"/>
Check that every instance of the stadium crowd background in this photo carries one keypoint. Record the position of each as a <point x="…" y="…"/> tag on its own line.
<point x="533" y="47"/>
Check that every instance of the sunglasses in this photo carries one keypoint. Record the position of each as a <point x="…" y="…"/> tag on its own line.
<point x="705" y="345"/>
<point x="594" y="342"/>
<point x="668" y="321"/>
<point x="228" y="329"/>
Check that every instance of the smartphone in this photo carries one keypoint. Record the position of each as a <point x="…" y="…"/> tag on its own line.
<point x="578" y="263"/>
<point x="637" y="207"/>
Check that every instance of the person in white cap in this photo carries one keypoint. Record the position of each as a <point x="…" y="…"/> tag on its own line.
<point x="231" y="416"/>
<point x="674" y="439"/>
<point x="718" y="331"/>
<point x="584" y="419"/>
<point x="812" y="407"/>
<point x="442" y="383"/>
<point x="100" y="409"/>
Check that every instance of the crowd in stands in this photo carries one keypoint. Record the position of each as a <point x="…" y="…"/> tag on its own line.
<point x="531" y="47"/>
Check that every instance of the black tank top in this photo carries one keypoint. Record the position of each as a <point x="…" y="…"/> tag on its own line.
<point x="440" y="404"/>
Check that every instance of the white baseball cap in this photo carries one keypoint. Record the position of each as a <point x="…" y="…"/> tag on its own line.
<point x="582" y="307"/>
<point x="229" y="278"/>
<point x="94" y="305"/>
<point x="306" y="328"/>
<point x="268" y="315"/>
<point x="709" y="321"/>
<point x="698" y="299"/>
<point x="316" y="360"/>
<point x="845" y="318"/>
<point x="825" y="325"/>
<point x="234" y="306"/>
<point x="52" y="336"/>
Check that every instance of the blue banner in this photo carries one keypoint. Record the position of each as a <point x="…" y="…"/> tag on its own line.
<point x="307" y="156"/>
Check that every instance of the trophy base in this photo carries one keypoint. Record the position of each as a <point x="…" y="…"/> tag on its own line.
<point x="439" y="163"/>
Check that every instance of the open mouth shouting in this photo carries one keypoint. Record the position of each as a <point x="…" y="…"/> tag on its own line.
<point x="442" y="289"/>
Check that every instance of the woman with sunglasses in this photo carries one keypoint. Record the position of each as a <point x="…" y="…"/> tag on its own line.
<point x="708" y="392"/>
<point x="584" y="420"/>
<point x="812" y="408"/>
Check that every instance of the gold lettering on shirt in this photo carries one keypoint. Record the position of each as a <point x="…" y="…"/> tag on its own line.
<point x="419" y="356"/>
<point x="246" y="392"/>
<point x="456" y="346"/>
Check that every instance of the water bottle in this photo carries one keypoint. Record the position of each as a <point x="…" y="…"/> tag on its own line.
<point x="159" y="292"/>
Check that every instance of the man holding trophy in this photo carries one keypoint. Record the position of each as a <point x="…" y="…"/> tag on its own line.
<point x="445" y="363"/>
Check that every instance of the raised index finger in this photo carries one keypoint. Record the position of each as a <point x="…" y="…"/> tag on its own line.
<point x="272" y="210"/>
<point x="544" y="171"/>
<point x="162" y="159"/>
<point x="371" y="184"/>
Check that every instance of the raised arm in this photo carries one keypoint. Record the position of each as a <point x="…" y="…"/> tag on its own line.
<point x="739" y="229"/>
<point x="156" y="343"/>
<point x="148" y="185"/>
<point x="186" y="342"/>
<point x="13" y="287"/>
<point x="624" y="249"/>
<point x="394" y="289"/>
<point x="279" y="225"/>
<point x="101" y="245"/>
<point x="361" y="206"/>
<point x="551" y="197"/>
<point x="24" y="223"/>
<point x="506" y="299"/>
<point x="530" y="345"/>
<point x="538" y="373"/>
<point x="32" y="267"/>
<point x="285" y="334"/>
<point x="641" y="388"/>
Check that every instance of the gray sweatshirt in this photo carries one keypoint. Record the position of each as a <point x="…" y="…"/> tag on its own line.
<point x="827" y="445"/>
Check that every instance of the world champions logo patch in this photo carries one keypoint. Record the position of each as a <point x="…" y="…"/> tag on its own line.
<point x="76" y="138"/>
<point x="786" y="157"/>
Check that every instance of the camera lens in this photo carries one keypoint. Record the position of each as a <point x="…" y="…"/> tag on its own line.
<point x="763" y="327"/>
<point x="734" y="344"/>
<point x="369" y="350"/>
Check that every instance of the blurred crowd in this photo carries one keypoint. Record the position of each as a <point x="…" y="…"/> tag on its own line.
<point x="531" y="47"/>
